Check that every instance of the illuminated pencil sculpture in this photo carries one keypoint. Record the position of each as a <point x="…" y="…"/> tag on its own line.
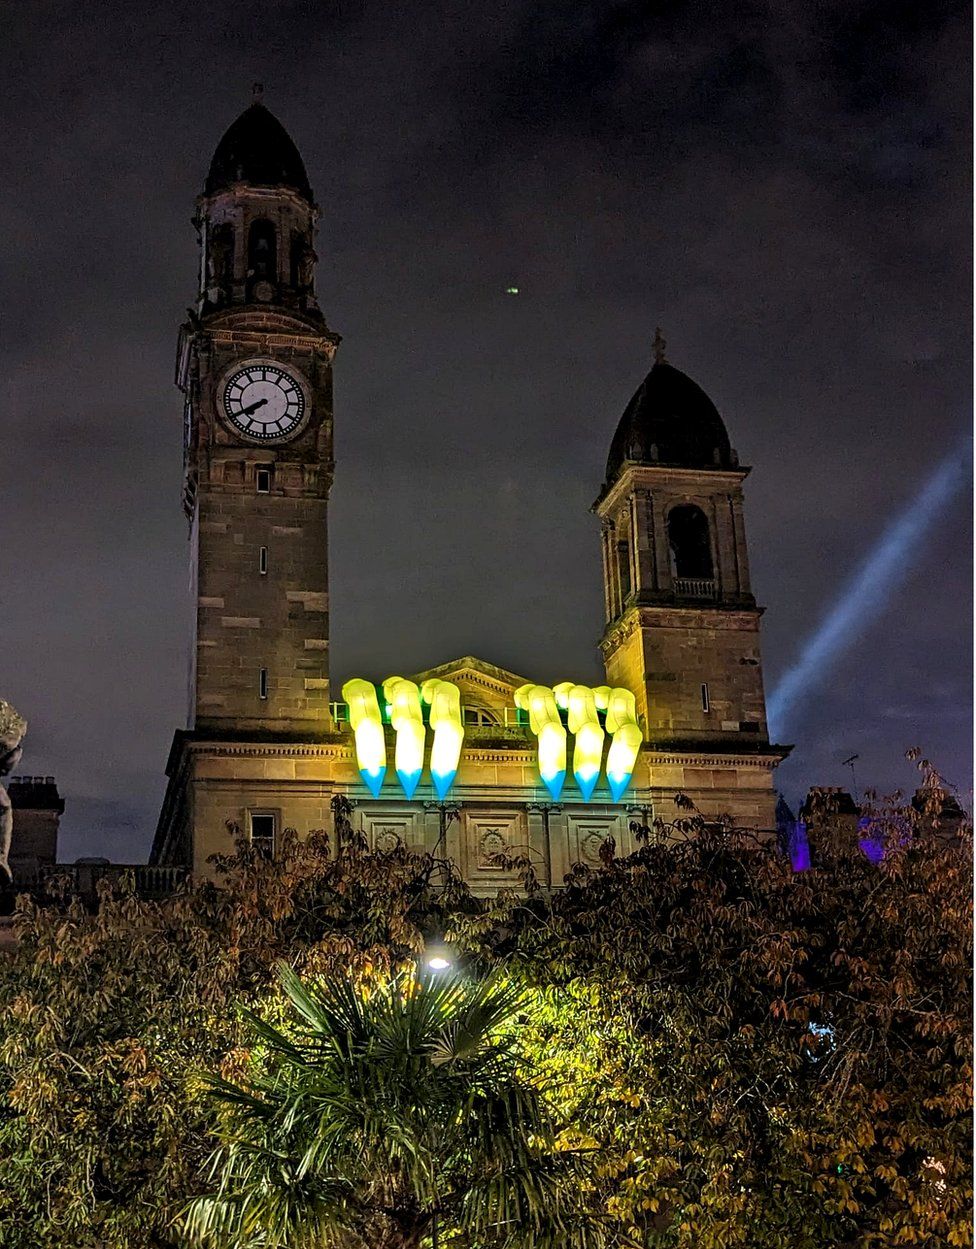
<point x="444" y="700"/>
<point x="627" y="737"/>
<point x="540" y="702"/>
<point x="407" y="719"/>
<point x="367" y="726"/>
<point x="584" y="724"/>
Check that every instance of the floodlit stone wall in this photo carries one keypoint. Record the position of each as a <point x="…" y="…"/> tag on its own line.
<point x="499" y="805"/>
<point x="666" y="654"/>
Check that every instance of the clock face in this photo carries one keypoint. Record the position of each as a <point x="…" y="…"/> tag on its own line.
<point x="264" y="401"/>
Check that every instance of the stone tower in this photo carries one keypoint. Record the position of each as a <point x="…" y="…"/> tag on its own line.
<point x="682" y="626"/>
<point x="254" y="363"/>
<point x="255" y="367"/>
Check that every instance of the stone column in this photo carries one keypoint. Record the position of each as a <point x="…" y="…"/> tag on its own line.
<point x="457" y="831"/>
<point x="283" y="254"/>
<point x="539" y="816"/>
<point x="723" y="550"/>
<point x="642" y="526"/>
<point x="741" y="552"/>
<point x="241" y="224"/>
<point x="558" y="843"/>
<point x="604" y="540"/>
<point x="613" y="580"/>
<point x="662" y="554"/>
<point x="625" y="557"/>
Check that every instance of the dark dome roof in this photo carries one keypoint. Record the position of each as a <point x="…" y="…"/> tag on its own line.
<point x="257" y="149"/>
<point x="670" y="420"/>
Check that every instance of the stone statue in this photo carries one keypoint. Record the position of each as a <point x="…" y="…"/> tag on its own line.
<point x="306" y="264"/>
<point x="220" y="264"/>
<point x="12" y="730"/>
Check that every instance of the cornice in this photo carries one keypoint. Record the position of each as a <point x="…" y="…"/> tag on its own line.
<point x="272" y="750"/>
<point x="499" y="754"/>
<point x="620" y="630"/>
<point x="715" y="616"/>
<point x="480" y="671"/>
<point x="712" y="759"/>
<point x="299" y="750"/>
<point x="270" y="338"/>
<point x="471" y="677"/>
<point x="634" y="475"/>
<point x="239" y="192"/>
<point x="243" y="324"/>
<point x="653" y="755"/>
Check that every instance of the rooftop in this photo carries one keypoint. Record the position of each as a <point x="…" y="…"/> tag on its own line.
<point x="259" y="151"/>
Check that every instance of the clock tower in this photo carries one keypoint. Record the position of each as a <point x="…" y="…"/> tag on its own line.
<point x="254" y="363"/>
<point x="255" y="368"/>
<point x="466" y="758"/>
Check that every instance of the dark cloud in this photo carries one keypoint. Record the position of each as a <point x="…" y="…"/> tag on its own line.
<point x="783" y="186"/>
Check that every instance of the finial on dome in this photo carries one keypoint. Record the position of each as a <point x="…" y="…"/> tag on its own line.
<point x="257" y="93"/>
<point x="660" y="347"/>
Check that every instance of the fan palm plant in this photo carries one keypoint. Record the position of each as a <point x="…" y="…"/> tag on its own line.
<point x="388" y="1113"/>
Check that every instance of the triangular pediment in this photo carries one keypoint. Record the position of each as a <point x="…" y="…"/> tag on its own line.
<point x="481" y="683"/>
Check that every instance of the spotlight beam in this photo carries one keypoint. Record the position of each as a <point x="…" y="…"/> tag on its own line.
<point x="867" y="592"/>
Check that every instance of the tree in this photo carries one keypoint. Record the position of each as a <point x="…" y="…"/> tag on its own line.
<point x="757" y="1057"/>
<point x="765" y="1058"/>
<point x="391" y="1106"/>
<point x="106" y="1016"/>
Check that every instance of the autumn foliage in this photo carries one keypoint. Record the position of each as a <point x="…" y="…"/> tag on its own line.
<point x="755" y="1057"/>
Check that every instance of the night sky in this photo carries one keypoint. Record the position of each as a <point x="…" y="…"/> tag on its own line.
<point x="783" y="187"/>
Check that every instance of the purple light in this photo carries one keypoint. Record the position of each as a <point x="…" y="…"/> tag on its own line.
<point x="871" y="847"/>
<point x="877" y="834"/>
<point x="799" y="847"/>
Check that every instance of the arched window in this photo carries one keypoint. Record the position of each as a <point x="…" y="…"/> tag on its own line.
<point x="262" y="253"/>
<point x="688" y="537"/>
<point x="479" y="717"/>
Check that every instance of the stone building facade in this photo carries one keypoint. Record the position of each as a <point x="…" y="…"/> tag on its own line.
<point x="268" y="745"/>
<point x="37" y="810"/>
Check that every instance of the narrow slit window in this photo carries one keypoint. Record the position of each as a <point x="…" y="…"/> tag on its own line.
<point x="263" y="683"/>
<point x="263" y="561"/>
<point x="263" y="480"/>
<point x="704" y="697"/>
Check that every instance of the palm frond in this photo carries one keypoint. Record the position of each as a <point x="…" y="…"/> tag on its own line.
<point x="374" y="1107"/>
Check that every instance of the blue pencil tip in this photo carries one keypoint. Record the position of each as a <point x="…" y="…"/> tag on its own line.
<point x="618" y="785"/>
<point x="409" y="782"/>
<point x="586" y="783"/>
<point x="373" y="780"/>
<point x="443" y="782"/>
<point x="555" y="784"/>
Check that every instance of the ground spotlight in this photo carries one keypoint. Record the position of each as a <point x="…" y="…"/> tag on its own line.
<point x="438" y="956"/>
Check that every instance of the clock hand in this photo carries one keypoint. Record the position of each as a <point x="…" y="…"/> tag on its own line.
<point x="253" y="407"/>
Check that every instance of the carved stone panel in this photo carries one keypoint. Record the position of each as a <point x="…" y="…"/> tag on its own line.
<point x="587" y="834"/>
<point x="493" y="845"/>
<point x="487" y="839"/>
<point x="385" y="830"/>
